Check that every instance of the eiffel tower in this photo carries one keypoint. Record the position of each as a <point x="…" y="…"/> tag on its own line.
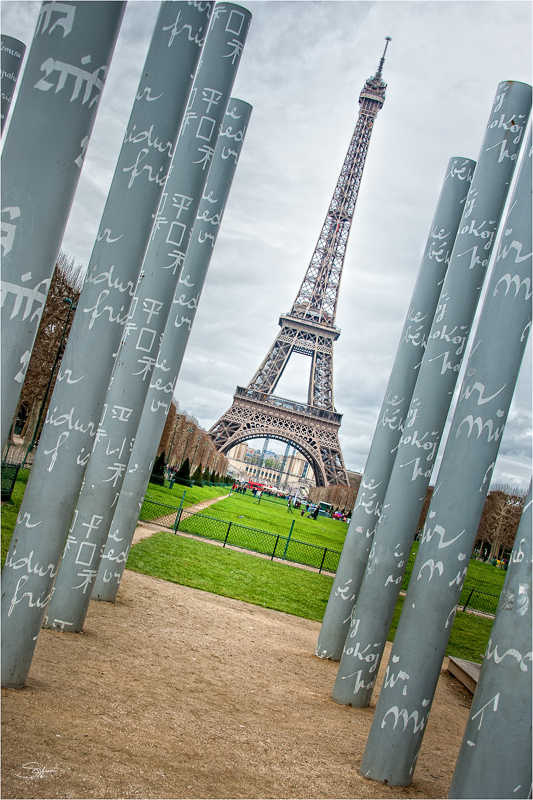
<point x="309" y="328"/>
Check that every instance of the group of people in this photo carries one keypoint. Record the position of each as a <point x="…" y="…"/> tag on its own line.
<point x="339" y="515"/>
<point x="302" y="507"/>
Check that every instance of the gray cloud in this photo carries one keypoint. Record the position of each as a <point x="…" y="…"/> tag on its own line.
<point x="302" y="70"/>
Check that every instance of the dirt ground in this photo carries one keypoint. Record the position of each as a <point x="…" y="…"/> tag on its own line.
<point x="177" y="693"/>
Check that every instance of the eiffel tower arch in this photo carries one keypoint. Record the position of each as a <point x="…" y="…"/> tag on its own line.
<point x="309" y="329"/>
<point x="313" y="432"/>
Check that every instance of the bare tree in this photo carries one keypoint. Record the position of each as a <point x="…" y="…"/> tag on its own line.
<point x="49" y="346"/>
<point x="499" y="521"/>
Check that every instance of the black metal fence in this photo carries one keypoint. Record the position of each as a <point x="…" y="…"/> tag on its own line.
<point x="9" y="476"/>
<point x="16" y="462"/>
<point x="477" y="600"/>
<point x="282" y="547"/>
<point x="19" y="454"/>
<point x="166" y="516"/>
<point x="230" y="533"/>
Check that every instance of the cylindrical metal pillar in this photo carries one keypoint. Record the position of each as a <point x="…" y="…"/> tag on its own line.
<point x="11" y="60"/>
<point x="372" y="614"/>
<point x="500" y="717"/>
<point x="456" y="506"/>
<point x="103" y="307"/>
<point x="169" y="360"/>
<point x="63" y="79"/>
<point x="162" y="279"/>
<point x="392" y="417"/>
<point x="115" y="263"/>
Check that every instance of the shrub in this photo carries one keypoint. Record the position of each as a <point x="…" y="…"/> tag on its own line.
<point x="158" y="471"/>
<point x="184" y="470"/>
<point x="197" y="476"/>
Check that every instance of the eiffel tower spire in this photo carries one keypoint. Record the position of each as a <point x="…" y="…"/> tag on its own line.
<point x="317" y="298"/>
<point x="309" y="328"/>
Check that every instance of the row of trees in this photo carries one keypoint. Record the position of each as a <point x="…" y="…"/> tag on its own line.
<point x="499" y="521"/>
<point x="183" y="439"/>
<point x="199" y="476"/>
<point x="497" y="528"/>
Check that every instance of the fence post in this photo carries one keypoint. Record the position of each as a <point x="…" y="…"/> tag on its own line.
<point x="177" y="520"/>
<point x="288" y="539"/>
<point x="227" y="534"/>
<point x="178" y="515"/>
<point x="274" y="550"/>
<point x="323" y="559"/>
<point x="468" y="600"/>
<point x="30" y="448"/>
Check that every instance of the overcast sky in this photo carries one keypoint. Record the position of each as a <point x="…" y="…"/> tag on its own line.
<point x="303" y="67"/>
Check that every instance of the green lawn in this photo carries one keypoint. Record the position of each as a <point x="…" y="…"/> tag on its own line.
<point x="484" y="577"/>
<point x="257" y="580"/>
<point x="232" y="574"/>
<point x="278" y="586"/>
<point x="193" y="494"/>
<point x="269" y="515"/>
<point x="10" y="511"/>
<point x="265" y="528"/>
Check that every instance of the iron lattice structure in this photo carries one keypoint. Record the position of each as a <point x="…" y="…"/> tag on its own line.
<point x="309" y="328"/>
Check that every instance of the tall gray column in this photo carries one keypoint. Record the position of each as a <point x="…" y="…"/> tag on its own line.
<point x="455" y="510"/>
<point x="169" y="360"/>
<point x="418" y="444"/>
<point x="11" y="60"/>
<point x="499" y="721"/>
<point x="393" y="415"/>
<point x="103" y="307"/>
<point x="162" y="278"/>
<point x="63" y="79"/>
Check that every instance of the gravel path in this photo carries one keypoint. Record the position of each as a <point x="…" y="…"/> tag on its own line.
<point x="172" y="692"/>
<point x="177" y="693"/>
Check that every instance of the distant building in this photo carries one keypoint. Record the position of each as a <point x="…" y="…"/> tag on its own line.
<point x="295" y="473"/>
